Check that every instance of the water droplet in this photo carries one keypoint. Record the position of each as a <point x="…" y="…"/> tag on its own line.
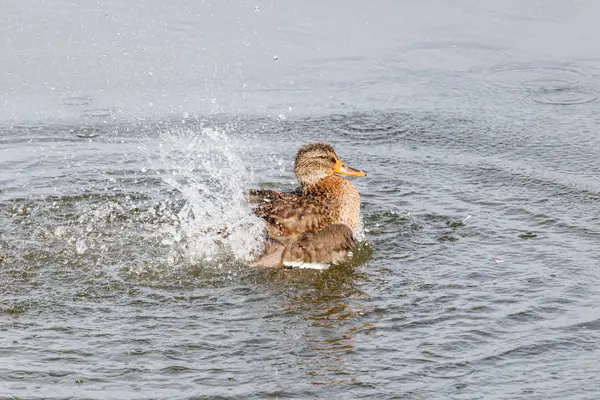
<point x="80" y="247"/>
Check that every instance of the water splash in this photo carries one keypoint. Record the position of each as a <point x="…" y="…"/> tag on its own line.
<point x="204" y="169"/>
<point x="174" y="204"/>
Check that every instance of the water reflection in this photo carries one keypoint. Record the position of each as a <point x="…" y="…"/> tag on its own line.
<point x="327" y="311"/>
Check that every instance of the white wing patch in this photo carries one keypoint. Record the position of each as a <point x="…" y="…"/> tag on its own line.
<point x="303" y="265"/>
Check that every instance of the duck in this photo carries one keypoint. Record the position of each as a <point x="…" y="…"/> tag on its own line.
<point x="317" y="223"/>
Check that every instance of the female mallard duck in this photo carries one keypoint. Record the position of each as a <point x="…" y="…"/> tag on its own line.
<point x="317" y="223"/>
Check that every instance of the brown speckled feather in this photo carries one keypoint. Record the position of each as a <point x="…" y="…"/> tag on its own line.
<point x="331" y="244"/>
<point x="291" y="214"/>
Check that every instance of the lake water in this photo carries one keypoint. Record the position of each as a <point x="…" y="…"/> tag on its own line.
<point x="131" y="131"/>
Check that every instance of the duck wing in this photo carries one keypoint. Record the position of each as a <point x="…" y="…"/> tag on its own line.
<point x="290" y="214"/>
<point x="260" y="196"/>
<point x="328" y="245"/>
<point x="332" y="244"/>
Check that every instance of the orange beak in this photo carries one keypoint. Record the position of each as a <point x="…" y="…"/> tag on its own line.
<point x="342" y="169"/>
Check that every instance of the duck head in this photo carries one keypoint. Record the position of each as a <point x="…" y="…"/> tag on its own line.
<point x="317" y="161"/>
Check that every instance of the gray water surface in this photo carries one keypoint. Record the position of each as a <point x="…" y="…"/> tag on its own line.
<point x="130" y="133"/>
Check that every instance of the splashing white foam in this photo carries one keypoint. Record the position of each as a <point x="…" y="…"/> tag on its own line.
<point x="215" y="220"/>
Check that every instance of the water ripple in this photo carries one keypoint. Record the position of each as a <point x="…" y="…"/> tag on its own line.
<point x="556" y="84"/>
<point x="102" y="294"/>
<point x="445" y="56"/>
